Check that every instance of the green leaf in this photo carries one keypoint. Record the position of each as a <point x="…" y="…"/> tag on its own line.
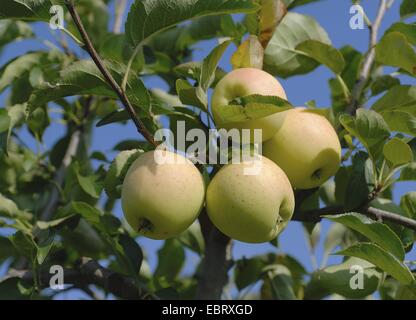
<point x="56" y="223"/>
<point x="408" y="203"/>
<point x="210" y="64"/>
<point x="397" y="152"/>
<point x="17" y="67"/>
<point x="131" y="252"/>
<point x="281" y="283"/>
<point x="377" y="232"/>
<point x="409" y="30"/>
<point x="23" y="244"/>
<point x="281" y="58"/>
<point x="409" y="172"/>
<point x="398" y="108"/>
<point x="118" y="170"/>
<point x="296" y="3"/>
<point x="394" y="50"/>
<point x="171" y="259"/>
<point x="252" y="107"/>
<point x="337" y="278"/>
<point x="192" y="238"/>
<point x="89" y="213"/>
<point x="324" y="54"/>
<point x="407" y="8"/>
<point x="149" y="17"/>
<point x="9" y="209"/>
<point x="380" y="258"/>
<point x="11" y="31"/>
<point x="333" y="239"/>
<point x="383" y="83"/>
<point x="4" y="120"/>
<point x="248" y="271"/>
<point x="90" y="184"/>
<point x="83" y="77"/>
<point x="192" y="70"/>
<point x="369" y="127"/>
<point x="188" y="95"/>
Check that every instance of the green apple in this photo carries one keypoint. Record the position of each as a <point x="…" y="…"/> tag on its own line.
<point x="241" y="83"/>
<point x="250" y="208"/>
<point x="306" y="147"/>
<point x="161" y="200"/>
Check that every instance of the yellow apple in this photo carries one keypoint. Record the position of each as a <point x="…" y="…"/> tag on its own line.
<point x="161" y="200"/>
<point x="250" y="208"/>
<point x="306" y="147"/>
<point x="244" y="82"/>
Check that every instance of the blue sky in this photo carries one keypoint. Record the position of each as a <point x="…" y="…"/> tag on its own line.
<point x="334" y="16"/>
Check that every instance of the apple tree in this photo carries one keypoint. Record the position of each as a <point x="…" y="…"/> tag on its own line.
<point x="59" y="205"/>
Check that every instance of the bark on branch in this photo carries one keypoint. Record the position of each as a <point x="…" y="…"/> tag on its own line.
<point x="89" y="47"/>
<point x="368" y="60"/>
<point x="88" y="273"/>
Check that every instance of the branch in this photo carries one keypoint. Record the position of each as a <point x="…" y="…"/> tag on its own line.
<point x="216" y="264"/>
<point x="89" y="273"/>
<point x="371" y="212"/>
<point x="88" y="46"/>
<point x="120" y="8"/>
<point x="369" y="59"/>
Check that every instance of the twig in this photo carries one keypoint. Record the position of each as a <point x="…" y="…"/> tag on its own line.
<point x="371" y="212"/>
<point x="120" y="8"/>
<point x="90" y="272"/>
<point x="88" y="46"/>
<point x="368" y="60"/>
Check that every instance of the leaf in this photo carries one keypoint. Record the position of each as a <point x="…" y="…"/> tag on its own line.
<point x="248" y="271"/>
<point x="324" y="54"/>
<point x="149" y="17"/>
<point x="369" y="127"/>
<point x="407" y="8"/>
<point x="376" y="232"/>
<point x="398" y="108"/>
<point x="189" y="96"/>
<point x="337" y="278"/>
<point x="90" y="184"/>
<point x="210" y="64"/>
<point x="397" y="152"/>
<point x="4" y="120"/>
<point x="380" y="258"/>
<point x="281" y="58"/>
<point x="409" y="30"/>
<point x="383" y="83"/>
<point x="333" y="239"/>
<point x="409" y="172"/>
<point x="252" y="107"/>
<point x="23" y="244"/>
<point x="9" y="209"/>
<point x="394" y="50"/>
<point x="89" y="213"/>
<point x="297" y="3"/>
<point x="118" y="170"/>
<point x="192" y="70"/>
<point x="131" y="252"/>
<point x="408" y="203"/>
<point x="56" y="223"/>
<point x="17" y="67"/>
<point x="83" y="77"/>
<point x="249" y="54"/>
<point x="192" y="238"/>
<point x="281" y="283"/>
<point x="171" y="259"/>
<point x="271" y="14"/>
<point x="11" y="31"/>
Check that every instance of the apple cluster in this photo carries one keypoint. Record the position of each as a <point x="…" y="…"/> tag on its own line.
<point x="301" y="150"/>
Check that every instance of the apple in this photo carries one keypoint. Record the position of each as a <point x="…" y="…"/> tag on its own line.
<point x="244" y="82"/>
<point x="306" y="147"/>
<point x="250" y="208"/>
<point x="162" y="200"/>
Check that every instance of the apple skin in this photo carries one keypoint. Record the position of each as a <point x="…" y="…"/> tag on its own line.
<point x="244" y="82"/>
<point x="250" y="208"/>
<point x="306" y="147"/>
<point x="162" y="200"/>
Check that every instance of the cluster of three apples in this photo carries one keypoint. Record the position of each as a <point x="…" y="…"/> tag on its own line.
<point x="301" y="150"/>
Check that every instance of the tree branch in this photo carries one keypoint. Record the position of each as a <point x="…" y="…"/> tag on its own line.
<point x="88" y="46"/>
<point x="368" y="60"/>
<point x="88" y="273"/>
<point x="371" y="212"/>
<point x="120" y="8"/>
